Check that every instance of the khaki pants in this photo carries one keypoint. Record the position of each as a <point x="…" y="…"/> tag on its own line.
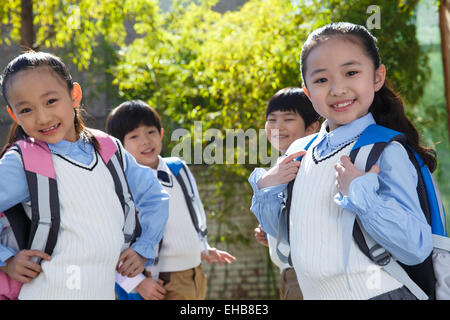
<point x="185" y="285"/>
<point x="289" y="288"/>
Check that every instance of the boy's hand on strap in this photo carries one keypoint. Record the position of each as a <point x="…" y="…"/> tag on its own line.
<point x="346" y="172"/>
<point x="151" y="290"/>
<point x="215" y="255"/>
<point x="283" y="172"/>
<point x="130" y="263"/>
<point x="21" y="268"/>
<point x="260" y="236"/>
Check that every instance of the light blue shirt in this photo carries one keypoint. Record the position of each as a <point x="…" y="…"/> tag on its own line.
<point x="151" y="200"/>
<point x="386" y="203"/>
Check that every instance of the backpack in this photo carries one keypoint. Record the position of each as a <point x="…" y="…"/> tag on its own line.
<point x="427" y="280"/>
<point x="18" y="232"/>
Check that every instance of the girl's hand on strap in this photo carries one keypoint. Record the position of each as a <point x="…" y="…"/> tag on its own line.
<point x="346" y="172"/>
<point x="21" y="268"/>
<point x="130" y="263"/>
<point x="283" y="172"/>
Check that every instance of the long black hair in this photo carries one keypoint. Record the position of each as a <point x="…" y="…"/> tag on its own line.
<point x="33" y="60"/>
<point x="387" y="106"/>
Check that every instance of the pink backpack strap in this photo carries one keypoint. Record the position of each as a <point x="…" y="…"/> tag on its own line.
<point x="36" y="157"/>
<point x="107" y="145"/>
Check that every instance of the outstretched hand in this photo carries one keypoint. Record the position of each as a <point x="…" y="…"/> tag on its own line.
<point x="346" y="172"/>
<point x="283" y="172"/>
<point x="215" y="255"/>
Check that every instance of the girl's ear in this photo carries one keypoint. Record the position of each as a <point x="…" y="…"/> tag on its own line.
<point x="312" y="128"/>
<point x="11" y="113"/>
<point x="162" y="133"/>
<point x="77" y="94"/>
<point x="380" y="77"/>
<point x="305" y="90"/>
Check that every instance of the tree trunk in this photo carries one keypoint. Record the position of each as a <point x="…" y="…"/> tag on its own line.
<point x="444" y="17"/>
<point x="27" y="30"/>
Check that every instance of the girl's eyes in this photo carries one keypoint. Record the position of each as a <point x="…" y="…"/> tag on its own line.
<point x="351" y="73"/>
<point x="321" y="80"/>
<point x="25" y="110"/>
<point x="51" y="101"/>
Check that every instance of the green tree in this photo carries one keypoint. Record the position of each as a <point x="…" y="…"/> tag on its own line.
<point x="221" y="69"/>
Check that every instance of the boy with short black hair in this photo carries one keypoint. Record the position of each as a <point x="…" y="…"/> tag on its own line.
<point x="178" y="274"/>
<point x="289" y="116"/>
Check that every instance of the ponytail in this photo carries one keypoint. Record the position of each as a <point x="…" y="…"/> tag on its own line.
<point x="388" y="110"/>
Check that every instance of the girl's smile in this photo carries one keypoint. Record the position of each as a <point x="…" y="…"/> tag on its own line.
<point x="43" y="104"/>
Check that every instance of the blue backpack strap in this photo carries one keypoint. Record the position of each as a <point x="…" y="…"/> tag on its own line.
<point x="372" y="142"/>
<point x="175" y="164"/>
<point x="436" y="208"/>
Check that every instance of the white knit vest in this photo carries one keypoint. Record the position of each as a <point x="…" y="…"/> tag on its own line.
<point x="316" y="238"/>
<point x="181" y="245"/>
<point x="90" y="237"/>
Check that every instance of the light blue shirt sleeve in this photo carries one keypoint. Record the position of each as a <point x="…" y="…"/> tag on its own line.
<point x="266" y="202"/>
<point x="388" y="207"/>
<point x="152" y="202"/>
<point x="13" y="190"/>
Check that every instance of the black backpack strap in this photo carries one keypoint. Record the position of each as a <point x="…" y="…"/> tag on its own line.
<point x="45" y="209"/>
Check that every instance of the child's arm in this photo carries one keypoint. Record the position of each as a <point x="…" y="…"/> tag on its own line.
<point x="387" y="204"/>
<point x="13" y="190"/>
<point x="152" y="202"/>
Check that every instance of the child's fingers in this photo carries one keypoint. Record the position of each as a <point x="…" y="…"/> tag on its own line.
<point x="346" y="162"/>
<point x="339" y="168"/>
<point x="293" y="156"/>
<point x="28" y="273"/>
<point x="36" y="253"/>
<point x="375" y="169"/>
<point x="159" y="287"/>
<point x="30" y="265"/>
<point x="22" y="279"/>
